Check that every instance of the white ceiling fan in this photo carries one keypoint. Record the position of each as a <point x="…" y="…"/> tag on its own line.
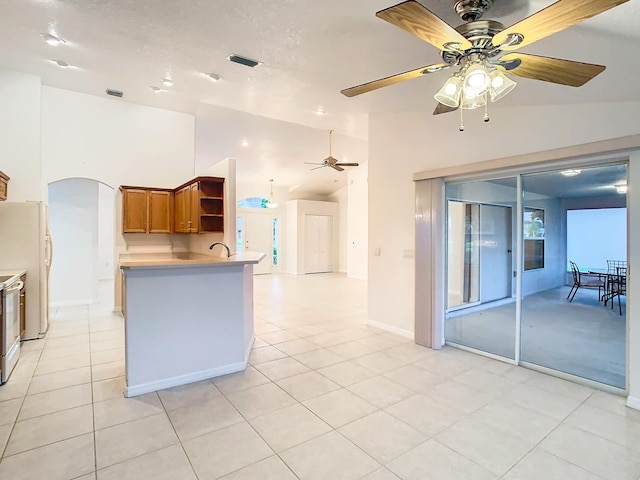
<point x="331" y="161"/>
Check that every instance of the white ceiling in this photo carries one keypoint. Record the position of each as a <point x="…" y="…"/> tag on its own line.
<point x="311" y="50"/>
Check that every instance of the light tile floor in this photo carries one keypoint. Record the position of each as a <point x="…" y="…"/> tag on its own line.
<point x="325" y="397"/>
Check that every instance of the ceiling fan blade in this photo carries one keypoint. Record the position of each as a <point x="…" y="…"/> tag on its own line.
<point x="412" y="17"/>
<point x="400" y="77"/>
<point x="347" y="164"/>
<point x="338" y="168"/>
<point x="314" y="163"/>
<point x="557" y="16"/>
<point x="321" y="166"/>
<point x="442" y="108"/>
<point x="554" y="70"/>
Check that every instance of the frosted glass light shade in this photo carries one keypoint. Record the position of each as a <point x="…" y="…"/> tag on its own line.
<point x="449" y="94"/>
<point x="476" y="81"/>
<point x="500" y="85"/>
<point x="470" y="102"/>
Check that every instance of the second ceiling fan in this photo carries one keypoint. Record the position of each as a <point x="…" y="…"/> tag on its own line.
<point x="479" y="48"/>
<point x="331" y="161"/>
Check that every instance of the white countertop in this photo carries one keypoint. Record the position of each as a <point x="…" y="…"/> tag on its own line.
<point x="186" y="259"/>
<point x="14" y="276"/>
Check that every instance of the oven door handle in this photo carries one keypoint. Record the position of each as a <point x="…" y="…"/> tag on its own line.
<point x="17" y="286"/>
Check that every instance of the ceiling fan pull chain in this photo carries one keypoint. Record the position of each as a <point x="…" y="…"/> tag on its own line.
<point x="461" y="127"/>
<point x="486" y="108"/>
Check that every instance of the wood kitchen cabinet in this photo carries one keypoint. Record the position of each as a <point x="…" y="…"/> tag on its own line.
<point x="186" y="209"/>
<point x="196" y="206"/>
<point x="200" y="206"/>
<point x="4" y="184"/>
<point x="146" y="210"/>
<point x="211" y="205"/>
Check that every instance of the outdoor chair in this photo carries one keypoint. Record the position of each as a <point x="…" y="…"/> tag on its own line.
<point x="584" y="280"/>
<point x="618" y="286"/>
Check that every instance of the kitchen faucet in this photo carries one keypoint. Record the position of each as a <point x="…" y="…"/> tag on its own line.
<point x="224" y="245"/>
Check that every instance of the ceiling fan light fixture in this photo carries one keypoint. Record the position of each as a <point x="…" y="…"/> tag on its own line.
<point x="450" y="92"/>
<point x="500" y="85"/>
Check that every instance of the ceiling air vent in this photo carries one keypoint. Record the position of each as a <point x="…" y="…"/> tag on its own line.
<point x="243" y="60"/>
<point x="115" y="93"/>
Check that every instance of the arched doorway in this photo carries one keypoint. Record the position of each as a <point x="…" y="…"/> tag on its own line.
<point x="81" y="221"/>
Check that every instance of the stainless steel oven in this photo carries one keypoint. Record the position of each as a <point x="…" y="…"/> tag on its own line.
<point x="10" y="315"/>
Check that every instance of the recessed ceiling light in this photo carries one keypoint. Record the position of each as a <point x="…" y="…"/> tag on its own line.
<point x="572" y="172"/>
<point x="320" y="111"/>
<point x="167" y="82"/>
<point x="52" y="39"/>
<point x="245" y="143"/>
<point x="156" y="89"/>
<point x="214" y="77"/>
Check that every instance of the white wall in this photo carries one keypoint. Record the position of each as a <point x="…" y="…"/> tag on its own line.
<point x="73" y="222"/>
<point x="595" y="236"/>
<point x="114" y="142"/>
<point x="106" y="231"/>
<point x="341" y="198"/>
<point x="357" y="222"/>
<point x="20" y="135"/>
<point x="401" y="144"/>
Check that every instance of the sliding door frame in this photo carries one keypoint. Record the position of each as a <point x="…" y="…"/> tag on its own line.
<point x="431" y="206"/>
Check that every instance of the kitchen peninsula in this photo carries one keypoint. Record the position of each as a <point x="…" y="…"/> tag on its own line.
<point x="188" y="317"/>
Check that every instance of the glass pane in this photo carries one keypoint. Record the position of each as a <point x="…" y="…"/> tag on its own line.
<point x="276" y="235"/>
<point x="481" y="305"/>
<point x="463" y="253"/>
<point x="240" y="235"/>
<point x="574" y="320"/>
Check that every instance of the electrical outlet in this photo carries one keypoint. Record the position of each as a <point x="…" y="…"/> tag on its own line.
<point x="409" y="254"/>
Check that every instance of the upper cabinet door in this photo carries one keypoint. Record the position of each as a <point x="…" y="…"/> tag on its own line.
<point x="179" y="206"/>
<point x="194" y="208"/>
<point x="159" y="211"/>
<point x="134" y="210"/>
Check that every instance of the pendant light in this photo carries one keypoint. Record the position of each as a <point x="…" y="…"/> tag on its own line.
<point x="271" y="203"/>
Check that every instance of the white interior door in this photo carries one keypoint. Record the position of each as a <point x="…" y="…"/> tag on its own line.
<point x="318" y="243"/>
<point x="258" y="237"/>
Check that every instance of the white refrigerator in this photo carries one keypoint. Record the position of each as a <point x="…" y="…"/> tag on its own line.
<point x="25" y="244"/>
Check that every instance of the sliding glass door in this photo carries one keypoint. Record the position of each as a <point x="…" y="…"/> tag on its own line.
<point x="566" y="308"/>
<point x="575" y="325"/>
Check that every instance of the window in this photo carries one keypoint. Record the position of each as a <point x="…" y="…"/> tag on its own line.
<point x="275" y="241"/>
<point x="253" y="202"/>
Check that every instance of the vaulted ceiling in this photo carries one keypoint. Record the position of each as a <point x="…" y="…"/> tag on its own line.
<point x="310" y="51"/>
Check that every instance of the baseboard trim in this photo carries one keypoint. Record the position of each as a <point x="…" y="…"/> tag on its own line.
<point x="357" y="278"/>
<point x="73" y="303"/>
<point x="633" y="402"/>
<point x="247" y="350"/>
<point x="391" y="329"/>
<point x="140" y="389"/>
